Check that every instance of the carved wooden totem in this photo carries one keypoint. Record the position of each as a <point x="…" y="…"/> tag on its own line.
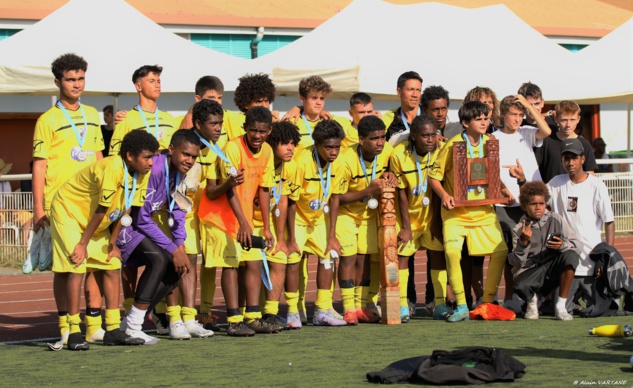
<point x="388" y="241"/>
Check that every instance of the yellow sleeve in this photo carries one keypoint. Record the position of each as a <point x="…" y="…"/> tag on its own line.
<point x="42" y="138"/>
<point x="339" y="182"/>
<point x="141" y="190"/>
<point x="109" y="181"/>
<point x="120" y="130"/>
<point x="443" y="164"/>
<point x="298" y="180"/>
<point x="268" y="178"/>
<point x="289" y="186"/>
<point x="396" y="167"/>
<point x="232" y="153"/>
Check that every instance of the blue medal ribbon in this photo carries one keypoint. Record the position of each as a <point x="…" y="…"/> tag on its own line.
<point x="325" y="185"/>
<point x="277" y="189"/>
<point x="149" y="129"/>
<point x="307" y="123"/>
<point x="213" y="147"/>
<point x="266" y="272"/>
<point x="362" y="165"/>
<point x="404" y="118"/>
<point x="80" y="138"/>
<point x="130" y="197"/>
<point x="178" y="178"/>
<point x="424" y="181"/>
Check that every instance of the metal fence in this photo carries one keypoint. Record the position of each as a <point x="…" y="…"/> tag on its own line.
<point x="16" y="216"/>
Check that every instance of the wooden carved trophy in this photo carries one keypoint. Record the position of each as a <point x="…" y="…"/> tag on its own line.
<point x="388" y="242"/>
<point x="480" y="174"/>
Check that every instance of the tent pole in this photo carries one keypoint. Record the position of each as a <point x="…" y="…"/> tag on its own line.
<point x="628" y="130"/>
<point x="115" y="103"/>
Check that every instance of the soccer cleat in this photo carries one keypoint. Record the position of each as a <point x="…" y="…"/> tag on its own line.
<point x="262" y="327"/>
<point x="239" y="330"/>
<point x="118" y="337"/>
<point x="563" y="315"/>
<point x="76" y="342"/>
<point x="404" y="314"/>
<point x="430" y="307"/>
<point x="326" y="318"/>
<point x="149" y="340"/>
<point x="208" y="321"/>
<point x="365" y="316"/>
<point x="304" y="317"/>
<point x="276" y="321"/>
<point x="196" y="330"/>
<point x="351" y="318"/>
<point x="374" y="309"/>
<point x="178" y="331"/>
<point x="461" y="313"/>
<point x="335" y="313"/>
<point x="412" y="309"/>
<point x="161" y="322"/>
<point x="531" y="312"/>
<point x="441" y="312"/>
<point x="294" y="321"/>
<point x="95" y="337"/>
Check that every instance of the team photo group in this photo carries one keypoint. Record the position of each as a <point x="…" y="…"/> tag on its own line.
<point x="157" y="206"/>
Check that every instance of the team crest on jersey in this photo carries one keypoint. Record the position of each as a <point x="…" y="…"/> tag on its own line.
<point x="160" y="135"/>
<point x="315" y="204"/>
<point x="115" y="215"/>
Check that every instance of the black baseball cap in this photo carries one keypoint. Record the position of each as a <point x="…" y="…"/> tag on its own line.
<point x="572" y="145"/>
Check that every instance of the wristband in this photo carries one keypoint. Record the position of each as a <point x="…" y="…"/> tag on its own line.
<point x="521" y="183"/>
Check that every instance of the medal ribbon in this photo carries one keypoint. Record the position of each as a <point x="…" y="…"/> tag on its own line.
<point x="266" y="272"/>
<point x="130" y="197"/>
<point x="214" y="147"/>
<point x="325" y="185"/>
<point x="277" y="190"/>
<point x="178" y="178"/>
<point x="307" y="123"/>
<point x="404" y="118"/>
<point x="362" y="165"/>
<point x="149" y="129"/>
<point x="423" y="181"/>
<point x="80" y="138"/>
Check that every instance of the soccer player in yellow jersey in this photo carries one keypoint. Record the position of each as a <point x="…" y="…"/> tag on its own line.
<point x="82" y="212"/>
<point x="477" y="224"/>
<point x="283" y="139"/>
<point x="364" y="177"/>
<point x="252" y="90"/>
<point x="228" y="221"/>
<point x="67" y="138"/>
<point x="313" y="209"/>
<point x="360" y="105"/>
<point x="412" y="162"/>
<point x="145" y="115"/>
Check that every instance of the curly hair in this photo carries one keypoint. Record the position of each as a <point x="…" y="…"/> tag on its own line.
<point x="532" y="189"/>
<point x="283" y="132"/>
<point x="314" y="84"/>
<point x="420" y="121"/>
<point x="258" y="114"/>
<point x="327" y="129"/>
<point x="253" y="87"/>
<point x="202" y="109"/>
<point x="369" y="124"/>
<point x="137" y="141"/>
<point x="507" y="103"/>
<point x="144" y="70"/>
<point x="471" y="110"/>
<point x="434" y="92"/>
<point x="185" y="135"/>
<point x="478" y="93"/>
<point x="209" y="82"/>
<point x="67" y="62"/>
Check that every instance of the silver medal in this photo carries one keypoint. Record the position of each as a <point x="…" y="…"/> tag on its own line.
<point x="326" y="209"/>
<point x="479" y="189"/>
<point x="171" y="222"/>
<point x="277" y="212"/>
<point x="126" y="220"/>
<point x="426" y="201"/>
<point x="81" y="156"/>
<point x="233" y="171"/>
<point x="372" y="203"/>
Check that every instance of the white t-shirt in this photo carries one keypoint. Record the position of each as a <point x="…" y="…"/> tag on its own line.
<point x="518" y="145"/>
<point x="584" y="207"/>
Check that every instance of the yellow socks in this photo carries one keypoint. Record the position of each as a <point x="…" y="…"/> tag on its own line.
<point x="188" y="314"/>
<point x="112" y="319"/>
<point x="207" y="289"/>
<point x="93" y="324"/>
<point x="174" y="313"/>
<point x="347" y="296"/>
<point x="323" y="299"/>
<point x="127" y="305"/>
<point x="161" y="307"/>
<point x="439" y="277"/>
<point x="374" y="286"/>
<point x="271" y="307"/>
<point x="455" y="279"/>
<point x="292" y="300"/>
<point x="403" y="280"/>
<point x="73" y="323"/>
<point x="493" y="277"/>
<point x="303" y="283"/>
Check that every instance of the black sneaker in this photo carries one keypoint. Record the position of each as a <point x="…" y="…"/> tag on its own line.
<point x="262" y="327"/>
<point x="118" y="337"/>
<point x="208" y="321"/>
<point x="239" y="330"/>
<point x="76" y="342"/>
<point x="276" y="321"/>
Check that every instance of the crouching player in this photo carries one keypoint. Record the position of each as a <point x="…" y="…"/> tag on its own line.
<point x="364" y="176"/>
<point x="412" y="162"/>
<point x="313" y="209"/>
<point x="546" y="252"/>
<point x="82" y="212"/>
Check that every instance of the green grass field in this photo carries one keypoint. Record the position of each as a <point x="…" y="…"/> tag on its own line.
<point x="557" y="354"/>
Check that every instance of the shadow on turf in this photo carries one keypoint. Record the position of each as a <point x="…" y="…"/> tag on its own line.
<point x="571" y="354"/>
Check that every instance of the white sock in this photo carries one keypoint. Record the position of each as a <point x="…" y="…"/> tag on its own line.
<point x="135" y="318"/>
<point x="560" y="304"/>
<point x="533" y="303"/>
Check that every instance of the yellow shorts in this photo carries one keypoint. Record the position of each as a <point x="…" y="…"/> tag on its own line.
<point x="220" y="249"/>
<point x="64" y="239"/>
<point x="192" y="242"/>
<point x="255" y="254"/>
<point x="482" y="240"/>
<point x="356" y="236"/>
<point x="420" y="239"/>
<point x="312" y="239"/>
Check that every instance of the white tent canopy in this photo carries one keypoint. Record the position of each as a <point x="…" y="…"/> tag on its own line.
<point x="115" y="39"/>
<point x="366" y="46"/>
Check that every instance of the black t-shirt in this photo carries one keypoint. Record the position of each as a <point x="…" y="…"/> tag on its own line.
<point x="550" y="161"/>
<point x="396" y="125"/>
<point x="107" y="136"/>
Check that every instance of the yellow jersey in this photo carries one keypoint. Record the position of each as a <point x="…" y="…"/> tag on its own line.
<point x="351" y="133"/>
<point x="355" y="179"/>
<point x="284" y="178"/>
<point x="134" y="120"/>
<point x="99" y="184"/>
<point x="233" y="124"/>
<point x="54" y="139"/>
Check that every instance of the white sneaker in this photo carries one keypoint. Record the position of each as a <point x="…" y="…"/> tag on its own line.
<point x="196" y="330"/>
<point x="97" y="336"/>
<point x="531" y="312"/>
<point x="563" y="315"/>
<point x="149" y="340"/>
<point x="335" y="313"/>
<point x="65" y="335"/>
<point x="178" y="331"/>
<point x="161" y="323"/>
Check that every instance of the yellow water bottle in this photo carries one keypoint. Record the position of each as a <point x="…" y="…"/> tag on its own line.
<point x="611" y="331"/>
